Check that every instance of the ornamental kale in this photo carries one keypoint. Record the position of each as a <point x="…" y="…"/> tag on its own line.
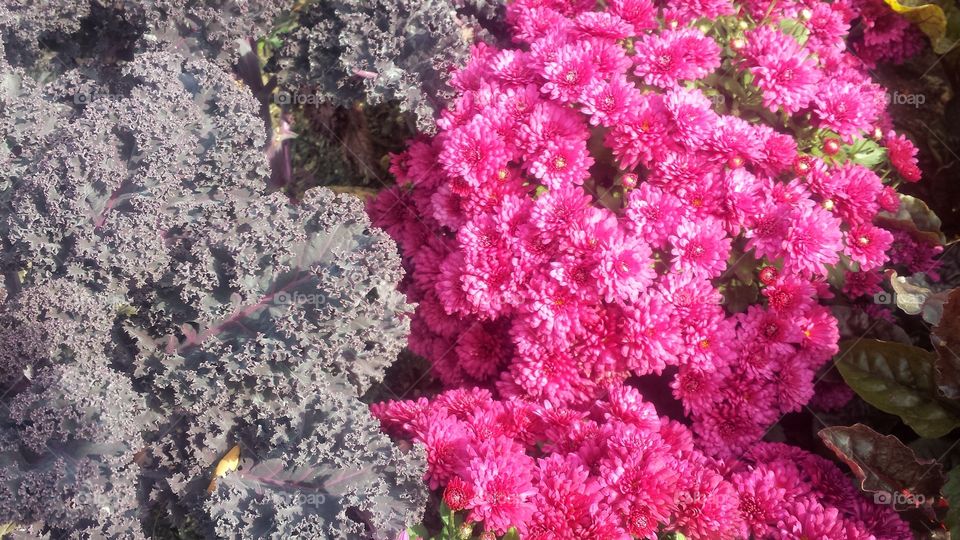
<point x="46" y="36"/>
<point x="70" y="426"/>
<point x="356" y="50"/>
<point x="164" y="307"/>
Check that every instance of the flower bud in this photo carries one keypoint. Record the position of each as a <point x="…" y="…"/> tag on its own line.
<point x="831" y="147"/>
<point x="802" y="165"/>
<point x="768" y="275"/>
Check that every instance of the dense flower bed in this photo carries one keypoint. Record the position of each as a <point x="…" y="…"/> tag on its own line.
<point x="632" y="191"/>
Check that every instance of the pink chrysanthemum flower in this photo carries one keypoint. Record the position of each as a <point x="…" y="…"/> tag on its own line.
<point x="446" y="441"/>
<point x="551" y="123"/>
<point x="781" y="70"/>
<point x="474" y="153"/>
<point x="850" y="191"/>
<point x="604" y="25"/>
<point x="567" y="501"/>
<point x="482" y="350"/>
<point x="700" y="249"/>
<point x="532" y="23"/>
<point x="736" y="141"/>
<point x="820" y="333"/>
<point x="827" y="27"/>
<point x="889" y="200"/>
<point x="857" y="284"/>
<point x="696" y="388"/>
<point x="642" y="14"/>
<point x="651" y="340"/>
<point x="691" y="114"/>
<point x="569" y="74"/>
<point x="642" y="137"/>
<point x="654" y="213"/>
<point x="789" y="295"/>
<point x="761" y="499"/>
<point x="624" y="269"/>
<point x="501" y="476"/>
<point x="562" y="163"/>
<point x="707" y="506"/>
<point x="684" y="12"/>
<point x="845" y="107"/>
<point x="809" y="519"/>
<point x="458" y="494"/>
<point x="675" y="55"/>
<point x="867" y="245"/>
<point x="609" y="102"/>
<point x="395" y="416"/>
<point x="812" y="242"/>
<point x="559" y="210"/>
<point x="902" y="154"/>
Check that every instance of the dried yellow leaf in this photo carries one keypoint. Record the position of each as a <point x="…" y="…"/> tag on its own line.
<point x="929" y="19"/>
<point x="228" y="463"/>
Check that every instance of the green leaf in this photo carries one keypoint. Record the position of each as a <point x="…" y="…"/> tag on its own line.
<point x="921" y="214"/>
<point x="952" y="492"/>
<point x="512" y="534"/>
<point x="446" y="515"/>
<point x="867" y="153"/>
<point x="898" y="379"/>
<point x="885" y="466"/>
<point x="453" y="527"/>
<point x="796" y="29"/>
<point x="915" y="218"/>
<point x="417" y="531"/>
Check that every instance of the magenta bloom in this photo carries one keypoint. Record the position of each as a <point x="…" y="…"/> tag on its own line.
<point x="625" y="269"/>
<point x="630" y="202"/>
<point x="812" y="242"/>
<point x="570" y="73"/>
<point x="501" y="476"/>
<point x="845" y="107"/>
<point x="642" y="137"/>
<point x="867" y="245"/>
<point x="609" y="103"/>
<point x="655" y="213"/>
<point x="446" y="442"/>
<point x="639" y="13"/>
<point x="675" y="55"/>
<point x="562" y="163"/>
<point x="781" y="70"/>
<point x="474" y="152"/>
<point x="700" y="249"/>
<point x="902" y="154"/>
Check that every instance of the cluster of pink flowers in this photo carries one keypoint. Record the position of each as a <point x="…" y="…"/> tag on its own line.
<point x="885" y="36"/>
<point x="612" y="469"/>
<point x="641" y="191"/>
